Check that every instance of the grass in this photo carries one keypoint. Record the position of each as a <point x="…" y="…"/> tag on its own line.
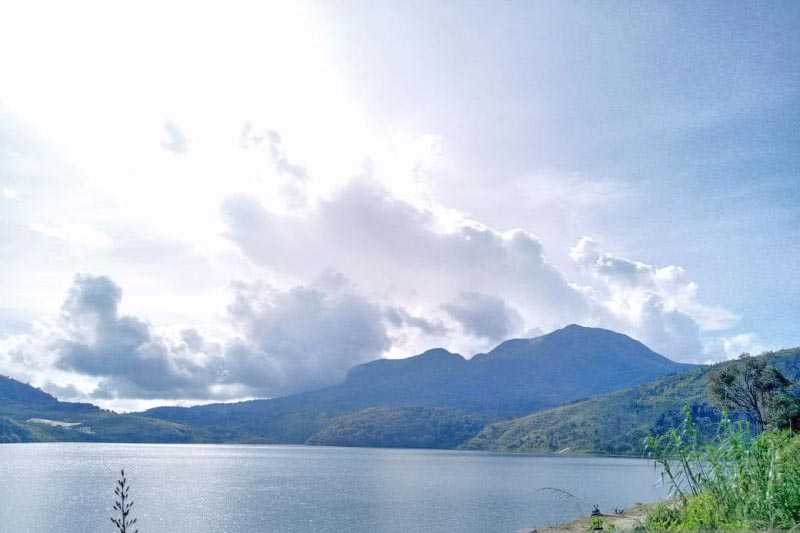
<point x="736" y="482"/>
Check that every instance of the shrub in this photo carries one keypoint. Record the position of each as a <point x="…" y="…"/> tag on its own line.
<point x="663" y="517"/>
<point x="736" y="482"/>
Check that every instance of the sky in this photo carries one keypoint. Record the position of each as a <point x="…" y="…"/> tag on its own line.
<point x="215" y="201"/>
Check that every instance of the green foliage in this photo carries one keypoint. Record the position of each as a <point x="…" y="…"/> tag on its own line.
<point x="678" y="452"/>
<point x="735" y="482"/>
<point x="18" y="423"/>
<point x="614" y="424"/>
<point x="618" y="423"/>
<point x="407" y="427"/>
<point x="11" y="431"/>
<point x="597" y="524"/>
<point x="664" y="517"/>
<point x="753" y="387"/>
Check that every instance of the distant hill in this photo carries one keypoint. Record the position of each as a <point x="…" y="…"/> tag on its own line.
<point x="617" y="423"/>
<point x="12" y="390"/>
<point x="28" y="414"/>
<point x="403" y="427"/>
<point x="435" y="399"/>
<point x="518" y="377"/>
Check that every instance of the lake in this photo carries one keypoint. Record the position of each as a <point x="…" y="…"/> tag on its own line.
<point x="68" y="488"/>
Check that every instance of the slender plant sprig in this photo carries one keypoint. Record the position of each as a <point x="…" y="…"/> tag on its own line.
<point x="123" y="505"/>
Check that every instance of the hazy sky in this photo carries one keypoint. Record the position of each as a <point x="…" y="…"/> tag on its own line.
<point x="208" y="202"/>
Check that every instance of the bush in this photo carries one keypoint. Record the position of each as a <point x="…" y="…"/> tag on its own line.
<point x="736" y="482"/>
<point x="663" y="517"/>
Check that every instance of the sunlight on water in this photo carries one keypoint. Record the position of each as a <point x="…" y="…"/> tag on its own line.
<point x="236" y="489"/>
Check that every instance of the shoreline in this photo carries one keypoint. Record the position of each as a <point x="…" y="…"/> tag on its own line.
<point x="627" y="521"/>
<point x="550" y="454"/>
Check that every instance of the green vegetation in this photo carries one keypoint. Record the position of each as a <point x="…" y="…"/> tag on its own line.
<point x="30" y="415"/>
<point x="599" y="524"/>
<point x="615" y="424"/>
<point x="11" y="431"/>
<point x="755" y="388"/>
<point x="618" y="423"/>
<point x="745" y="477"/>
<point x="409" y="427"/>
<point x="735" y="482"/>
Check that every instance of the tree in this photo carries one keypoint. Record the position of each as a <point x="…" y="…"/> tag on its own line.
<point x="752" y="387"/>
<point x="123" y="505"/>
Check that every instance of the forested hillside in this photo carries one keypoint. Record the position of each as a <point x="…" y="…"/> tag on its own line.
<point x="617" y="423"/>
<point x="28" y="414"/>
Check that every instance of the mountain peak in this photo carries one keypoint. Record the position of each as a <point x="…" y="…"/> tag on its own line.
<point x="523" y="345"/>
<point x="577" y="329"/>
<point x="429" y="360"/>
<point x="582" y="345"/>
<point x="438" y="353"/>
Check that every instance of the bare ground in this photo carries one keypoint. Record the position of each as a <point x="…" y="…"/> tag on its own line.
<point x="627" y="521"/>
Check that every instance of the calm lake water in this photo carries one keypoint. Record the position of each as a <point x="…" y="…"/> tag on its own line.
<point x="68" y="488"/>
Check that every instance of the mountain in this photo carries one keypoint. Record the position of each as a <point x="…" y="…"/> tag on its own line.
<point x="28" y="414"/>
<point x="617" y="423"/>
<point x="434" y="399"/>
<point x="518" y="377"/>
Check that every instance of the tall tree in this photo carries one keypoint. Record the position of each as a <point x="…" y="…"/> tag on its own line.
<point x="750" y="386"/>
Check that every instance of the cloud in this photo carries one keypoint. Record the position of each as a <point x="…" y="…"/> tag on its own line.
<point x="406" y="254"/>
<point x="483" y="315"/>
<point x="13" y="321"/>
<point x="658" y="305"/>
<point x="671" y="283"/>
<point x="293" y="178"/>
<point x="400" y="317"/>
<point x="281" y="160"/>
<point x="743" y="343"/>
<point x="480" y="283"/>
<point x="732" y="346"/>
<point x="123" y="351"/>
<point x="288" y="340"/>
<point x="253" y="137"/>
<point x="67" y="392"/>
<point x="175" y="140"/>
<point x="668" y="330"/>
<point x="75" y="234"/>
<point x="587" y="254"/>
<point x="301" y="338"/>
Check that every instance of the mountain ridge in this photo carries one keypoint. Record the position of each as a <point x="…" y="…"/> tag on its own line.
<point x="457" y="396"/>
<point x="563" y="366"/>
<point x="616" y="423"/>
